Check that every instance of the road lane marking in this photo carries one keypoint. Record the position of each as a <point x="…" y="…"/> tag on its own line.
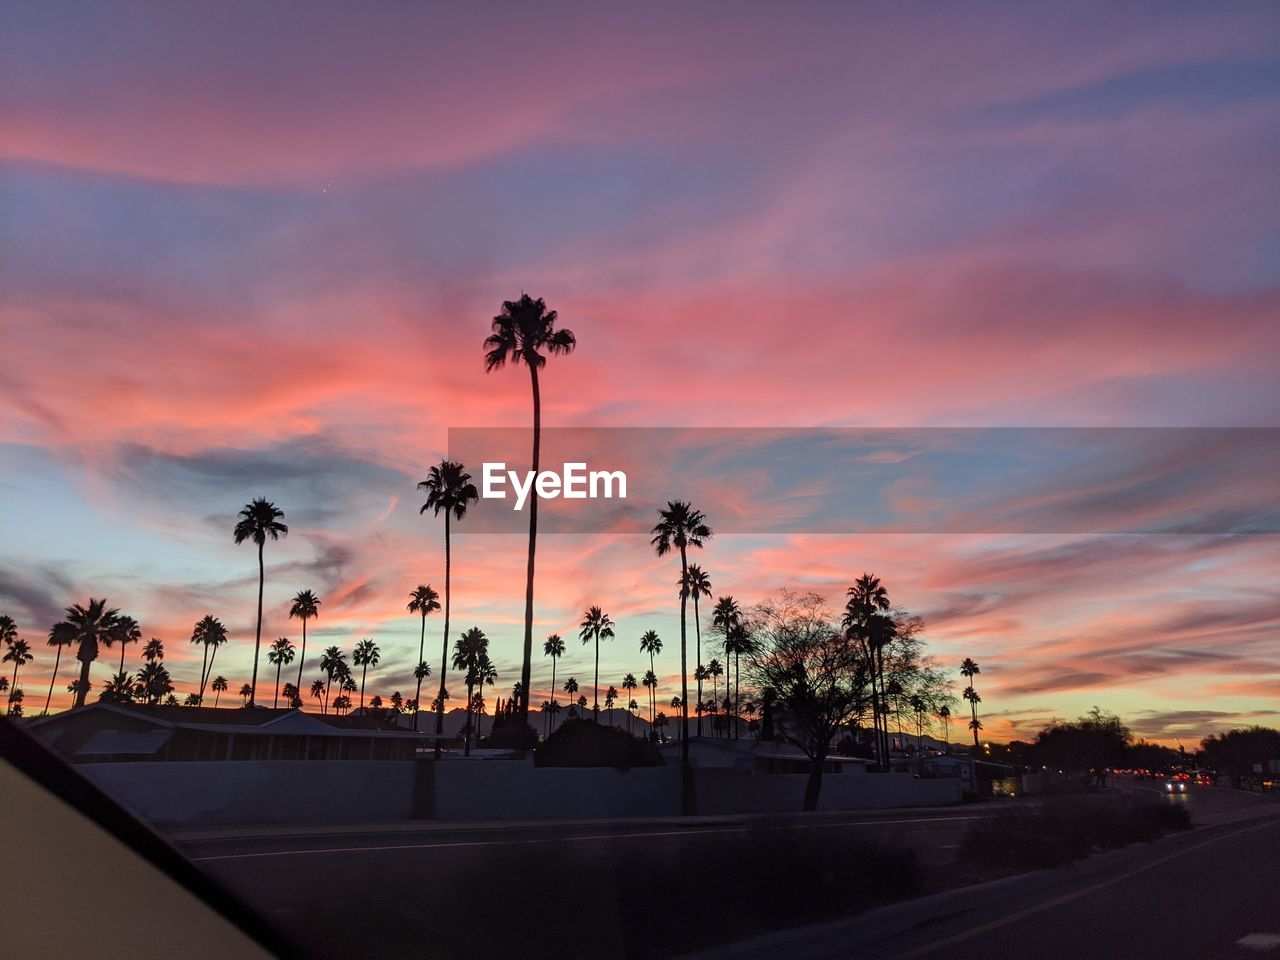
<point x="1068" y="897"/>
<point x="581" y="839"/>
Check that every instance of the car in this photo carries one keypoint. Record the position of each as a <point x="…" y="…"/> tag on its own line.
<point x="1175" y="785"/>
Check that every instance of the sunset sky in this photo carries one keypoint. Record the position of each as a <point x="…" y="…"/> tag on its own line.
<point x="253" y="250"/>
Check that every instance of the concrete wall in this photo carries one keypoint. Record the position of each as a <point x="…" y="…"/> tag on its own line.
<point x="218" y="793"/>
<point x="261" y="792"/>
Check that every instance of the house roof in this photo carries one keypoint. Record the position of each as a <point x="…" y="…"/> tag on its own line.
<point x="230" y="721"/>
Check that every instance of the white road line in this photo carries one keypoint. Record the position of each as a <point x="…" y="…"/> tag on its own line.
<point x="581" y="839"/>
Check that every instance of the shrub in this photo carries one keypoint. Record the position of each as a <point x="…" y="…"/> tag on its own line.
<point x="583" y="743"/>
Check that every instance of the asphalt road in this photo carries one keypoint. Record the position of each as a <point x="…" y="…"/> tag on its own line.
<point x="1211" y="893"/>
<point x="579" y="889"/>
<point x="395" y="890"/>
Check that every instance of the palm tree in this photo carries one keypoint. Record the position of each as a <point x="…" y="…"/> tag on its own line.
<point x="695" y="582"/>
<point x="726" y="617"/>
<point x="420" y="673"/>
<point x="969" y="669"/>
<point x="680" y="526"/>
<point x="281" y="654"/>
<point x="944" y="714"/>
<point x="467" y="651"/>
<point x="864" y="618"/>
<point x="629" y="684"/>
<point x="59" y="637"/>
<point x="153" y="683"/>
<point x="650" y="682"/>
<point x="651" y="644"/>
<point x="552" y="647"/>
<point x="208" y="632"/>
<point x="596" y="624"/>
<point x="88" y="628"/>
<point x="486" y="673"/>
<point x="523" y="329"/>
<point x="423" y="600"/>
<point x="678" y="704"/>
<point x="258" y="521"/>
<point x="219" y="686"/>
<point x="292" y="696"/>
<point x="8" y="630"/>
<point x="119" y="689"/>
<point x="366" y="655"/>
<point x="18" y="653"/>
<point x="334" y="664"/>
<point x="571" y="687"/>
<point x="153" y="650"/>
<point x="246" y="691"/>
<point x="305" y="606"/>
<point x="449" y="490"/>
<point x="127" y="631"/>
<point x="318" y="692"/>
<point x="610" y="697"/>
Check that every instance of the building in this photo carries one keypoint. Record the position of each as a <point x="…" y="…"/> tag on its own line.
<point x="112" y="732"/>
<point x="756" y="756"/>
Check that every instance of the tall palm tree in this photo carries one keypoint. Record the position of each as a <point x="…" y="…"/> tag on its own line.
<point x="89" y="628"/>
<point x="651" y="644"/>
<point x="969" y="669"/>
<point x="571" y="687"/>
<point x="18" y="652"/>
<point x="523" y="329"/>
<point x="8" y="630"/>
<point x="281" y="654"/>
<point x="865" y="619"/>
<point x="651" y="684"/>
<point x="944" y="714"/>
<point x="246" y="691"/>
<point x="696" y="583"/>
<point x="467" y="651"/>
<point x="715" y="671"/>
<point x="208" y="632"/>
<point x="127" y="631"/>
<point x="367" y="655"/>
<point x="60" y="636"/>
<point x="219" y="686"/>
<point x="610" y="697"/>
<point x="726" y="617"/>
<point x="258" y="521"/>
<point x="423" y="600"/>
<point x="318" y="691"/>
<point x="629" y="684"/>
<point x="333" y="663"/>
<point x="680" y="527"/>
<point x="153" y="650"/>
<point x="449" y="491"/>
<point x="486" y="673"/>
<point x="595" y="624"/>
<point x="305" y="606"/>
<point x="552" y="647"/>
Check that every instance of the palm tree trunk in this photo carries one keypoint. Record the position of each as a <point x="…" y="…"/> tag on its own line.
<point x="204" y="669"/>
<point x="257" y="643"/>
<point x="82" y="689"/>
<point x="697" y="628"/>
<point x="973" y="709"/>
<point x="686" y="777"/>
<point x="303" y="658"/>
<point x="523" y="706"/>
<point x="444" y="656"/>
<point x="466" y="732"/>
<point x="737" y="681"/>
<point x="422" y="652"/>
<point x="364" y="672"/>
<point x="122" y="649"/>
<point x="212" y="657"/>
<point x="553" y="693"/>
<point x="596" y="704"/>
<point x="276" y="702"/>
<point x="216" y="695"/>
<point x="57" y="658"/>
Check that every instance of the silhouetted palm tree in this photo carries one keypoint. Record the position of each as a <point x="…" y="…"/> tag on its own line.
<point x="696" y="583"/>
<point x="680" y="527"/>
<point x="88" y="628"/>
<point x="449" y="491"/>
<point x="318" y="692"/>
<point x="305" y="606"/>
<point x="650" y="682"/>
<point x="595" y="624"/>
<point x="281" y="654"/>
<point x="258" y="521"/>
<point x="246" y="691"/>
<point x="18" y="652"/>
<point x="523" y="329"/>
<point x="969" y="669"/>
<point x="366" y="656"/>
<point x="423" y="600"/>
<point x="208" y="632"/>
<point x="467" y="652"/>
<point x="8" y="630"/>
<point x="944" y="714"/>
<point x="332" y="664"/>
<point x="292" y="696"/>
<point x="727" y="618"/>
<point x="571" y="687"/>
<point x="119" y="689"/>
<point x="60" y="636"/>
<point x="864" y="619"/>
<point x="153" y="682"/>
<point x="220" y="686"/>
<point x="153" y="650"/>
<point x="629" y="684"/>
<point x="486" y="673"/>
<point x="127" y="631"/>
<point x="552" y="647"/>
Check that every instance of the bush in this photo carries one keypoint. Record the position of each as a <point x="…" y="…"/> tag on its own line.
<point x="1061" y="830"/>
<point x="512" y="736"/>
<point x="583" y="743"/>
